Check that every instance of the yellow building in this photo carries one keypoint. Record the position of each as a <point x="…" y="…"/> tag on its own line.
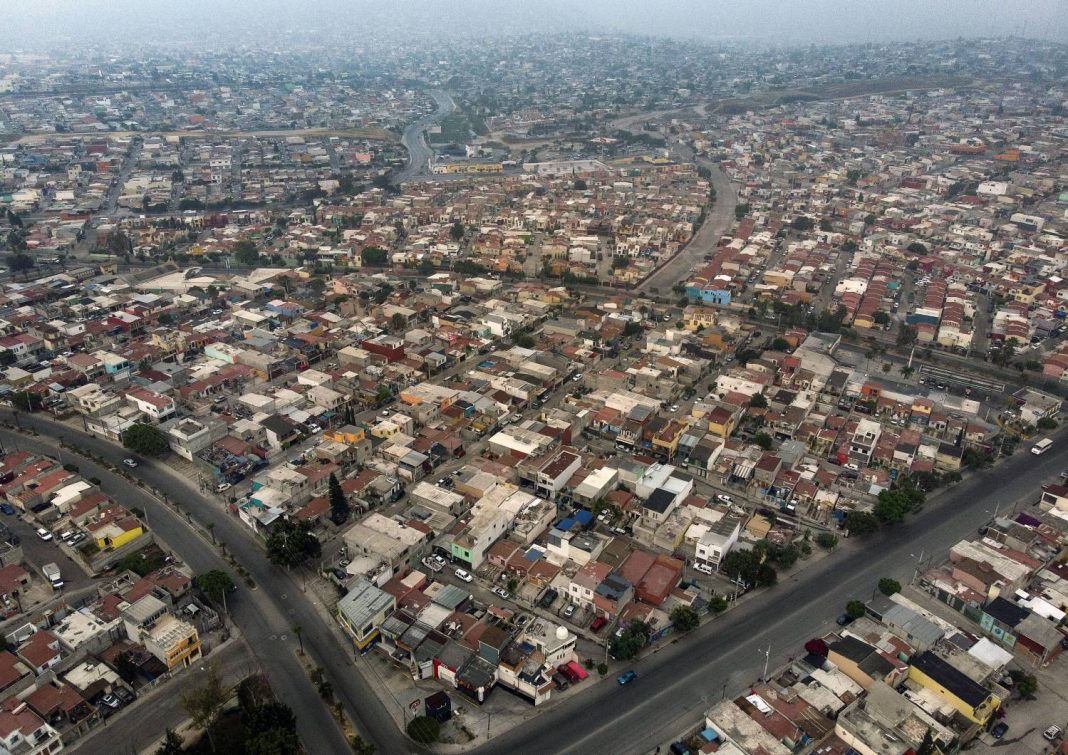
<point x="173" y="641"/>
<point x="667" y="440"/>
<point x="694" y="317"/>
<point x="115" y="533"/>
<point x="971" y="699"/>
<point x="349" y="434"/>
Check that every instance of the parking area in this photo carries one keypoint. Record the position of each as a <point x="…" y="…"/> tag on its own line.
<point x="1027" y="720"/>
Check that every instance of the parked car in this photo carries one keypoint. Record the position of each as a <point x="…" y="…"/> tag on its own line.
<point x="1052" y="734"/>
<point x="222" y="487"/>
<point x="111" y="701"/>
<point x="44" y="534"/>
<point x="124" y="694"/>
<point x="626" y="677"/>
<point x="463" y="575"/>
<point x="7" y="508"/>
<point x="560" y="681"/>
<point x="131" y="463"/>
<point x="569" y="611"/>
<point x="598" y="624"/>
<point x="548" y="598"/>
<point x="702" y="567"/>
<point x="999" y="730"/>
<point x="722" y="498"/>
<point x="844" y="620"/>
<point x="501" y="592"/>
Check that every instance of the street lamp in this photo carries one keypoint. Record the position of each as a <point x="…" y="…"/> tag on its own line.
<point x="767" y="658"/>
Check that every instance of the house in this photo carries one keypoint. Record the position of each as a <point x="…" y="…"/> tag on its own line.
<point x="361" y="612"/>
<point x="717" y="541"/>
<point x="24" y="732"/>
<point x="861" y="662"/>
<point x="172" y="641"/>
<point x="961" y="692"/>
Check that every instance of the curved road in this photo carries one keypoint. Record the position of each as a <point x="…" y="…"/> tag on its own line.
<point x="265" y="615"/>
<point x="419" y="152"/>
<point x="717" y="221"/>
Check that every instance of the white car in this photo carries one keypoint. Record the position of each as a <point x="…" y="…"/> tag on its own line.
<point x="462" y="575"/>
<point x="852" y="466"/>
<point x="131" y="463"/>
<point x="673" y="408"/>
<point x="44" y="534"/>
<point x="724" y="498"/>
<point x="222" y="487"/>
<point x="702" y="567"/>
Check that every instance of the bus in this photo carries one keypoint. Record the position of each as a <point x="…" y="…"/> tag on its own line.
<point x="1042" y="446"/>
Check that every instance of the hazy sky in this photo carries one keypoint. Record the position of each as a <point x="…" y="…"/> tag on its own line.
<point x="775" y="21"/>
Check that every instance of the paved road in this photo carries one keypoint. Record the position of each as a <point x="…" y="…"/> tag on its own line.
<point x="419" y="152"/>
<point x="703" y="242"/>
<point x="126" y="730"/>
<point x="676" y="684"/>
<point x="266" y="616"/>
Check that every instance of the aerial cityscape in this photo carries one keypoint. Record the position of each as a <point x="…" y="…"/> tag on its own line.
<point x="553" y="379"/>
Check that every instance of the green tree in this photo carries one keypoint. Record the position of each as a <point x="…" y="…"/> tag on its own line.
<point x="861" y="523"/>
<point x="245" y="252"/>
<point x="685" y="618"/>
<point x="424" y="729"/>
<point x="802" y="223"/>
<point x="203" y="701"/>
<point x="126" y="668"/>
<point x="826" y="540"/>
<point x="146" y="440"/>
<point x="763" y="440"/>
<point x="631" y="329"/>
<point x="26" y="401"/>
<point x="917" y="248"/>
<point x="360" y="746"/>
<point x="741" y="210"/>
<point x="20" y="263"/>
<point x="888" y="586"/>
<point x="1046" y="423"/>
<point x="524" y="340"/>
<point x="718" y="604"/>
<point x="457" y="231"/>
<point x="580" y="185"/>
<point x="273" y="742"/>
<point x="630" y="641"/>
<point x="171" y="745"/>
<point x="780" y="344"/>
<point x="339" y="505"/>
<point x="1026" y="685"/>
<point x="855" y="609"/>
<point x="216" y="584"/>
<point x="398" y="321"/>
<point x="290" y="544"/>
<point x="374" y="256"/>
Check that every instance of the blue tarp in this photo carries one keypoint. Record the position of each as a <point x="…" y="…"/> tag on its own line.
<point x="583" y="517"/>
<point x="564" y="525"/>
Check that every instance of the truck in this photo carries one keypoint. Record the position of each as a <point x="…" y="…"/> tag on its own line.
<point x="52" y="574"/>
<point x="1041" y="447"/>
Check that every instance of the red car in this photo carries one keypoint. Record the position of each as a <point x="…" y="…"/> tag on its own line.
<point x="598" y="624"/>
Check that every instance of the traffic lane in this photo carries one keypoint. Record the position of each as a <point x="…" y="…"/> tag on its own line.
<point x="275" y="616"/>
<point x="126" y="731"/>
<point x="782" y="618"/>
<point x="261" y="624"/>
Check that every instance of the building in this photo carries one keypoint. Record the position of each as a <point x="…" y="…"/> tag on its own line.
<point x="361" y="612"/>
<point x="960" y="691"/>
<point x="173" y="642"/>
<point x="717" y="541"/>
<point x="23" y="732"/>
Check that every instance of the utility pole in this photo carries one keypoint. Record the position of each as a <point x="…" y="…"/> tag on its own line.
<point x="767" y="658"/>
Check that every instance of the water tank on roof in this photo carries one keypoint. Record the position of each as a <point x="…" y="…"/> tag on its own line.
<point x="561" y="633"/>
